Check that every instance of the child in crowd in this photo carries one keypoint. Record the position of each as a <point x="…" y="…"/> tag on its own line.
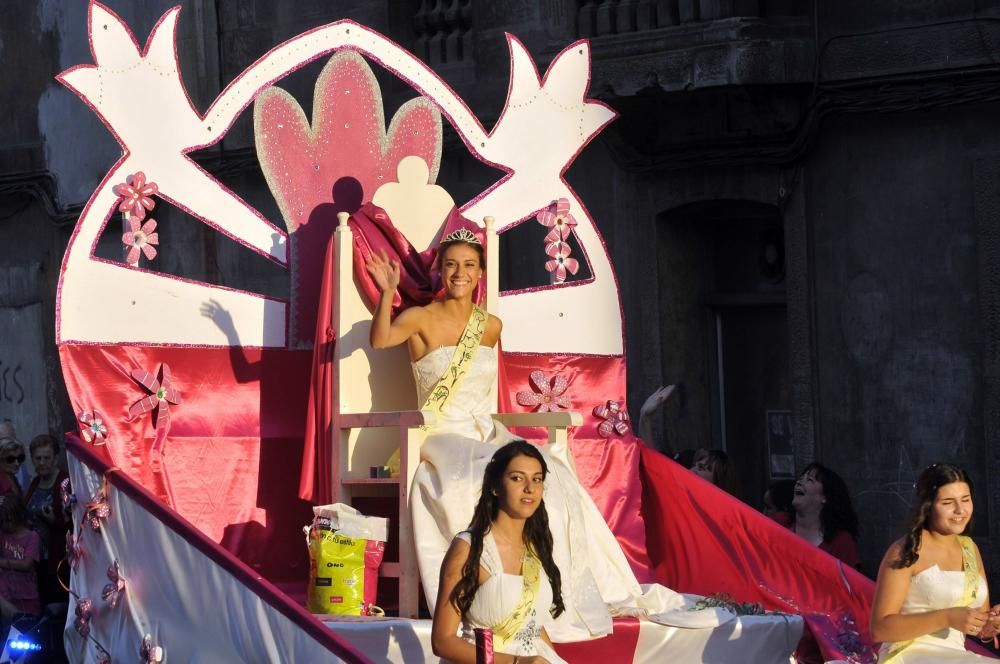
<point x="19" y="554"/>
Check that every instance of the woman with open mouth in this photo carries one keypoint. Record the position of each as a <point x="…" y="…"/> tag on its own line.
<point x="822" y="513"/>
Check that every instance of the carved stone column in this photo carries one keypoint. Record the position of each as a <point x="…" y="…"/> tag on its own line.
<point x="986" y="174"/>
<point x="800" y="332"/>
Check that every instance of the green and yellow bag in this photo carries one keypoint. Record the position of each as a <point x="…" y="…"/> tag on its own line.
<point x="345" y="551"/>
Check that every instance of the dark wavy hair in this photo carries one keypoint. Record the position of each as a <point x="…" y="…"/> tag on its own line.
<point x="445" y="246"/>
<point x="13" y="512"/>
<point x="838" y="510"/>
<point x="925" y="490"/>
<point x="782" y="492"/>
<point x="723" y="472"/>
<point x="537" y="535"/>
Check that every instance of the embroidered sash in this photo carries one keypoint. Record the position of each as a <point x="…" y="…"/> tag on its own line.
<point x="969" y="591"/>
<point x="450" y="382"/>
<point x="506" y="630"/>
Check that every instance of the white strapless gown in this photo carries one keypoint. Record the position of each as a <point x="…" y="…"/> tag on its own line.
<point x="930" y="590"/>
<point x="597" y="581"/>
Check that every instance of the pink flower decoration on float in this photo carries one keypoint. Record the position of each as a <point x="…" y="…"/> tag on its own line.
<point x="615" y="419"/>
<point x="112" y="591"/>
<point x="68" y="497"/>
<point x="549" y="397"/>
<point x="136" y="195"/>
<point x="162" y="395"/>
<point x="561" y="262"/>
<point x="140" y="238"/>
<point x="84" y="611"/>
<point x="97" y="509"/>
<point x="150" y="652"/>
<point x="557" y="217"/>
<point x="73" y="550"/>
<point x="94" y="430"/>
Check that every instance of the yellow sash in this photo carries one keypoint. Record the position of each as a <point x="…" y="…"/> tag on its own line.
<point x="969" y="592"/>
<point x="449" y="383"/>
<point x="531" y="570"/>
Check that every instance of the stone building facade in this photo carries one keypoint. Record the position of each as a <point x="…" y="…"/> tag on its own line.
<point x="801" y="198"/>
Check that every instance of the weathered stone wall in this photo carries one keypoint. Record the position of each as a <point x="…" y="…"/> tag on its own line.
<point x="896" y="279"/>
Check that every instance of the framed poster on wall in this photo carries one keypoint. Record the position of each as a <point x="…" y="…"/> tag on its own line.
<point x="780" y="449"/>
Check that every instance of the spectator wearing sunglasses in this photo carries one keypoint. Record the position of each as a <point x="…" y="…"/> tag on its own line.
<point x="11" y="458"/>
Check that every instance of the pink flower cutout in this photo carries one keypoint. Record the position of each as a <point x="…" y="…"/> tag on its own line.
<point x="136" y="195"/>
<point x="97" y="509"/>
<point x="74" y="552"/>
<point x="549" y="397"/>
<point x="84" y="611"/>
<point x="561" y="262"/>
<point x="150" y="652"/>
<point x="94" y="430"/>
<point x="557" y="217"/>
<point x="112" y="592"/>
<point x="615" y="419"/>
<point x="66" y="492"/>
<point x="162" y="395"/>
<point x="140" y="238"/>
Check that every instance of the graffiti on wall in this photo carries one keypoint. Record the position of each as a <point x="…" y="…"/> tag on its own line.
<point x="22" y="370"/>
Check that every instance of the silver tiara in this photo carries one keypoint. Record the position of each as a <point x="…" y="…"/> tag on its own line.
<point x="461" y="235"/>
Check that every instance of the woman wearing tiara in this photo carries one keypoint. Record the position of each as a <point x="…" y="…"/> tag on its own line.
<point x="452" y="348"/>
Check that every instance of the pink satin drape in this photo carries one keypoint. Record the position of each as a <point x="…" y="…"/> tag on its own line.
<point x="235" y="439"/>
<point x="702" y="540"/>
<point x="419" y="283"/>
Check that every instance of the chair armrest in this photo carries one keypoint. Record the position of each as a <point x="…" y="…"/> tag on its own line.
<point x="408" y="419"/>
<point x="560" y="419"/>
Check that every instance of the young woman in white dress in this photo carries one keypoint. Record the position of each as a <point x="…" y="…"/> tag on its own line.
<point x="451" y="343"/>
<point x="499" y="574"/>
<point x="931" y="590"/>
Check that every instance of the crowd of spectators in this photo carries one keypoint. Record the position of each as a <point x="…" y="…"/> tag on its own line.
<point x="817" y="506"/>
<point x="33" y="527"/>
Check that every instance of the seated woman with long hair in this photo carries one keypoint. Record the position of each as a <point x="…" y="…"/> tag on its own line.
<point x="499" y="574"/>
<point x="931" y="589"/>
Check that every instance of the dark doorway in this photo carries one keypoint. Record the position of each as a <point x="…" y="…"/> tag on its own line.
<point x="725" y="328"/>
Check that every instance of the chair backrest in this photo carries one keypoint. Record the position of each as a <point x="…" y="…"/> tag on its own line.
<point x="368" y="380"/>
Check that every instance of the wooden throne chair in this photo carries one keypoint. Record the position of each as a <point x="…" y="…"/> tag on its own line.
<point x="375" y="402"/>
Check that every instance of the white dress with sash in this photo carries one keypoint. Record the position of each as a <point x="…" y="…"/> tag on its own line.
<point x="930" y="590"/>
<point x="498" y="596"/>
<point x="597" y="581"/>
